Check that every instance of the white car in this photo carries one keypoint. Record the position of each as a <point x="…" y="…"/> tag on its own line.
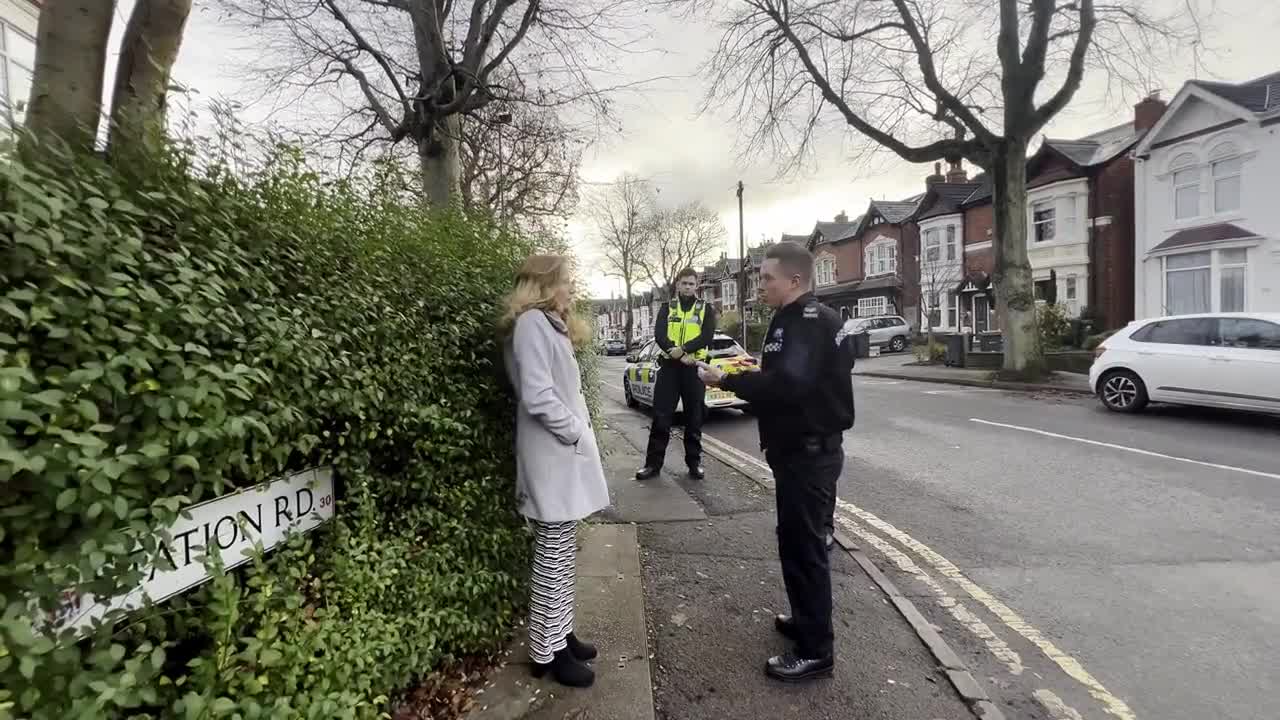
<point x="1227" y="360"/>
<point x="889" y="331"/>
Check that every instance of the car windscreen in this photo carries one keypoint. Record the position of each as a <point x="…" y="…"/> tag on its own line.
<point x="723" y="347"/>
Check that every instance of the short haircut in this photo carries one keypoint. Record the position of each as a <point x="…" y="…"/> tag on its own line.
<point x="793" y="257"/>
<point x="687" y="272"/>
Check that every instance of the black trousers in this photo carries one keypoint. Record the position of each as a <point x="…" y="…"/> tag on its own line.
<point x="805" y="487"/>
<point x="676" y="382"/>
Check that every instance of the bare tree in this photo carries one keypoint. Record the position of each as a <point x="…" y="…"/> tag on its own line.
<point x="681" y="237"/>
<point x="66" y="88"/>
<point x="521" y="162"/>
<point x="621" y="215"/>
<point x="147" y="54"/>
<point x="392" y="71"/>
<point x="920" y="78"/>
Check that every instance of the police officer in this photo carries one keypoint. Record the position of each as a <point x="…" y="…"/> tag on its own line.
<point x="683" y="330"/>
<point x="803" y="397"/>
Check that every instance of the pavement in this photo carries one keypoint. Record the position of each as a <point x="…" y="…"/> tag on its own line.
<point x="1082" y="564"/>
<point x="903" y="367"/>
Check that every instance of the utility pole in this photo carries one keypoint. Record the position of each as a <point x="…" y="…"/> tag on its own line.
<point x="742" y="271"/>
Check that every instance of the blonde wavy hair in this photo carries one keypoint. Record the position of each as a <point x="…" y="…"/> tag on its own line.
<point x="536" y="284"/>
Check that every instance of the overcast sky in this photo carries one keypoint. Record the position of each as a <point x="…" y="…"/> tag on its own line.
<point x="661" y="136"/>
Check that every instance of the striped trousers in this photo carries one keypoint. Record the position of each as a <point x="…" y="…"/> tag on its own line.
<point x="555" y="550"/>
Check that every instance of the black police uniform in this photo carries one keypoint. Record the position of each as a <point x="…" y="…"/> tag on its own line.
<point x="678" y="382"/>
<point x="803" y="397"/>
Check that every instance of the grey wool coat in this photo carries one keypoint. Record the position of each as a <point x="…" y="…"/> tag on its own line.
<point x="558" y="473"/>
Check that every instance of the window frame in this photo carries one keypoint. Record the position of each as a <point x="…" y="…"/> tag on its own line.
<point x="1215" y="267"/>
<point x="8" y="102"/>
<point x="932" y="246"/>
<point x="1188" y="164"/>
<point x="1237" y="175"/>
<point x="951" y="243"/>
<point x="882" y="250"/>
<point x="826" y="271"/>
<point x="882" y="305"/>
<point x="1044" y="229"/>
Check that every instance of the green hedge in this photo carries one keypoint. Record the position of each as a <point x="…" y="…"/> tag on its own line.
<point x="169" y="336"/>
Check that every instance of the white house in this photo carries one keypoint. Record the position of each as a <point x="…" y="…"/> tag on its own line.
<point x="18" y="20"/>
<point x="1207" y="202"/>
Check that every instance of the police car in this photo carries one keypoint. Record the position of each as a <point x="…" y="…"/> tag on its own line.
<point x="641" y="374"/>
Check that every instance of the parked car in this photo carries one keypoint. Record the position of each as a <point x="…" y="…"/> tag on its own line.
<point x="641" y="374"/>
<point x="615" y="346"/>
<point x="1228" y="360"/>
<point x="886" y="331"/>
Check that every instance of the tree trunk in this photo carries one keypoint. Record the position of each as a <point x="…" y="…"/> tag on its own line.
<point x="441" y="163"/>
<point x="631" y="321"/>
<point x="71" y="54"/>
<point x="147" y="54"/>
<point x="1015" y="293"/>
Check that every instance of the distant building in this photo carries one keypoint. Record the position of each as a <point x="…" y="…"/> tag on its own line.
<point x="18" y="21"/>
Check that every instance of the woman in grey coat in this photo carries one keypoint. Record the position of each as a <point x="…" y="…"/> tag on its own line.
<point x="559" y="479"/>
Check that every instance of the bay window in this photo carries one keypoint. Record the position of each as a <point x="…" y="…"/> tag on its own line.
<point x="882" y="258"/>
<point x="932" y="246"/>
<point x="1206" y="281"/>
<point x="951" y="242"/>
<point x="1044" y="219"/>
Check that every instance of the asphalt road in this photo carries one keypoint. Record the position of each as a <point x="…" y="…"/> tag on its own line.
<point x="1085" y="564"/>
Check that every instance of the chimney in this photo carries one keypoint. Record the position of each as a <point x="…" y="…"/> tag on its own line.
<point x="956" y="173"/>
<point x="1147" y="112"/>
<point x="936" y="177"/>
<point x="842" y="217"/>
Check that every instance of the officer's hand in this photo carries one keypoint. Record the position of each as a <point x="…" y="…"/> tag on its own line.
<point x="710" y="376"/>
<point x="688" y="359"/>
<point x="675" y="353"/>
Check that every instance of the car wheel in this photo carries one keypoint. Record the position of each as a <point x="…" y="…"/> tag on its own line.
<point x="898" y="344"/>
<point x="626" y="391"/>
<point x="1122" y="391"/>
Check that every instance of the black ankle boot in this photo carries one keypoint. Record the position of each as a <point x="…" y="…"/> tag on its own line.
<point x="566" y="670"/>
<point x="580" y="650"/>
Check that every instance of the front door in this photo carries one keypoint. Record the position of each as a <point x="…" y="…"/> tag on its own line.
<point x="981" y="314"/>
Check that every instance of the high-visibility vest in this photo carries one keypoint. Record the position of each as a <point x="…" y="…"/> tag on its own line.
<point x="684" y="326"/>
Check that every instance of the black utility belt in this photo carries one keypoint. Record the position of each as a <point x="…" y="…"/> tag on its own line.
<point x="811" y="444"/>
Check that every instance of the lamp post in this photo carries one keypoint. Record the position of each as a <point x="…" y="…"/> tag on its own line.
<point x="501" y="119"/>
<point x="742" y="270"/>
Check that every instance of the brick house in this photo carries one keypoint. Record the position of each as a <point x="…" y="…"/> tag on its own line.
<point x="939" y="223"/>
<point x="1080" y="227"/>
<point x="868" y="266"/>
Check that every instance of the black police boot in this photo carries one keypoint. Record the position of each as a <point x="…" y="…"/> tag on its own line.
<point x="580" y="650"/>
<point x="785" y="626"/>
<point x="648" y="472"/>
<point x="791" y="668"/>
<point x="697" y="473"/>
<point x="566" y="669"/>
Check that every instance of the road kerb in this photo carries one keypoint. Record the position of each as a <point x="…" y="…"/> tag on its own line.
<point x="962" y="680"/>
<point x="989" y="384"/>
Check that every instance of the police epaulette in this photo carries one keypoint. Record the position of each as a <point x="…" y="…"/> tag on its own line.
<point x="811" y="311"/>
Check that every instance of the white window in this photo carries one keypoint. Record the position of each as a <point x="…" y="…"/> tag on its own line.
<point x="1071" y="287"/>
<point x="826" y="271"/>
<point x="953" y="310"/>
<point x="932" y="246"/>
<point x="17" y="58"/>
<point x="1206" y="281"/>
<point x="870" y="306"/>
<point x="882" y="258"/>
<point x="1044" y="219"/>
<point x="1226" y="185"/>
<point x="1186" y="187"/>
<point x="935" y="310"/>
<point x="730" y="291"/>
<point x="951" y="242"/>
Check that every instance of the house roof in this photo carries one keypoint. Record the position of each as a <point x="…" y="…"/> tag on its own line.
<point x="1096" y="149"/>
<point x="836" y="231"/>
<point x="948" y="197"/>
<point x="798" y="239"/>
<point x="850" y="286"/>
<point x="1203" y="235"/>
<point x="1259" y="95"/>
<point x="981" y="192"/>
<point x="895" y="212"/>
